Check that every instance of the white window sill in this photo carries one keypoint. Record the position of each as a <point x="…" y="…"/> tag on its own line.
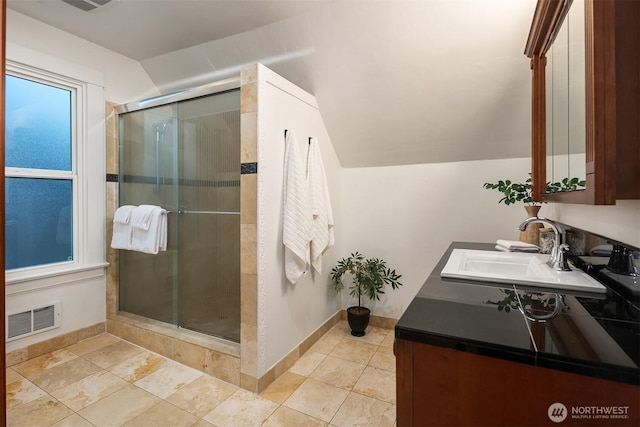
<point x="27" y="281"/>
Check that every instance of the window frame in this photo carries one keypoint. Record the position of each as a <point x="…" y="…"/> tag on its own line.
<point x="85" y="96"/>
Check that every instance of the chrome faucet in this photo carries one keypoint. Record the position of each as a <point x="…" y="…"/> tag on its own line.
<point x="558" y="259"/>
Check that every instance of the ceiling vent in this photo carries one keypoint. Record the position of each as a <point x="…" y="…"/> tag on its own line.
<point x="87" y="5"/>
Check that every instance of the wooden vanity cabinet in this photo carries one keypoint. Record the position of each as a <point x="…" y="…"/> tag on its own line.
<point x="612" y="86"/>
<point x="439" y="386"/>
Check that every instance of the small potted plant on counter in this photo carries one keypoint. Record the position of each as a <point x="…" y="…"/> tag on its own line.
<point x="514" y="192"/>
<point x="522" y="191"/>
<point x="368" y="277"/>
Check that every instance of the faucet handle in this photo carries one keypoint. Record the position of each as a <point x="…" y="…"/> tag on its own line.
<point x="621" y="261"/>
<point x="558" y="259"/>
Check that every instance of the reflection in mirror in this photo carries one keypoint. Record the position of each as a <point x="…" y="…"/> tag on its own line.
<point x="565" y="94"/>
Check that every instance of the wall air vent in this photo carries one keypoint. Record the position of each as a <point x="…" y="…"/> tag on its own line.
<point x="32" y="321"/>
<point x="87" y="5"/>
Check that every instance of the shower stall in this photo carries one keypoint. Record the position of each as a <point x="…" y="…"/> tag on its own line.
<point x="182" y="152"/>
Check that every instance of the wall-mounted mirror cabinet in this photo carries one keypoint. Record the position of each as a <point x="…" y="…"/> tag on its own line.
<point x="586" y="99"/>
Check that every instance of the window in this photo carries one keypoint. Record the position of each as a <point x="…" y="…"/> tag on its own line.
<point x="41" y="178"/>
<point x="55" y="166"/>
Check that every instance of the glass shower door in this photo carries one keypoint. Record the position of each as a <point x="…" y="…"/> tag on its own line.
<point x="209" y="219"/>
<point x="148" y="165"/>
<point x="185" y="157"/>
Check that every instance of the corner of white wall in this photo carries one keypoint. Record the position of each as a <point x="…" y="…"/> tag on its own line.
<point x="287" y="314"/>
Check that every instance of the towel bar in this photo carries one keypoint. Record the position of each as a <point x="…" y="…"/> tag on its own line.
<point x="205" y="212"/>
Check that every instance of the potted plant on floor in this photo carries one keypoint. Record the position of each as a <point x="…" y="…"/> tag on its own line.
<point x="368" y="277"/>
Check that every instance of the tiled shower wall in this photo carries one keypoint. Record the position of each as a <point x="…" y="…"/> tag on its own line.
<point x="248" y="229"/>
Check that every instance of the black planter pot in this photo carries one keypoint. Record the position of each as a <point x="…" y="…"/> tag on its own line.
<point x="358" y="318"/>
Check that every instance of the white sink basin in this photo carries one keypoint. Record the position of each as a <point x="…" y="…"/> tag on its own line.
<point x="516" y="268"/>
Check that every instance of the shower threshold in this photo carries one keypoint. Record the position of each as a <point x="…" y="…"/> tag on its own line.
<point x="161" y="329"/>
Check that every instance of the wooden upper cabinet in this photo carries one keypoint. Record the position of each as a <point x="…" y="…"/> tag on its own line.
<point x="612" y="98"/>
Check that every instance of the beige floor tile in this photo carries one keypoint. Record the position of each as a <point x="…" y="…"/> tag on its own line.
<point x="242" y="408"/>
<point x="355" y="351"/>
<point x="373" y="335"/>
<point x="338" y="372"/>
<point x="119" y="407"/>
<point x="202" y="395"/>
<point x="36" y="366"/>
<point x="377" y="383"/>
<point x="92" y="344"/>
<point x="384" y="359"/>
<point x="168" y="379"/>
<point x="341" y="328"/>
<point x="287" y="417"/>
<point x="74" y="420"/>
<point x="34" y="412"/>
<point x="139" y="366"/>
<point x="12" y="376"/>
<point x="163" y="414"/>
<point x="62" y="375"/>
<point x="327" y="342"/>
<point x="283" y="387"/>
<point x="358" y="410"/>
<point x="129" y="388"/>
<point x="202" y="423"/>
<point x="389" y="339"/>
<point x="113" y="353"/>
<point x="21" y="392"/>
<point x="307" y="363"/>
<point x="89" y="390"/>
<point x="317" y="399"/>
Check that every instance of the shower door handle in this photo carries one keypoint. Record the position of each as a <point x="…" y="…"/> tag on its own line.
<point x="156" y="189"/>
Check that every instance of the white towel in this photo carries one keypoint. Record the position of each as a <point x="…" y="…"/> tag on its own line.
<point x="142" y="215"/>
<point x="123" y="214"/>
<point x="320" y="202"/>
<point x="297" y="221"/>
<point x="121" y="238"/>
<point x="149" y="229"/>
<point x="516" y="246"/>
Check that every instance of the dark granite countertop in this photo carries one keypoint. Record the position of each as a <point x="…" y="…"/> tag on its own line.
<point x="594" y="334"/>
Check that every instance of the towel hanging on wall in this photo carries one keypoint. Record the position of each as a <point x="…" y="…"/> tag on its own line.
<point x="297" y="222"/>
<point x="320" y="202"/>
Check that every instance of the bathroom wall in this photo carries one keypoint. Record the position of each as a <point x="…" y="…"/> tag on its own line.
<point x="408" y="215"/>
<point x="124" y="79"/>
<point x="113" y="77"/>
<point x="288" y="313"/>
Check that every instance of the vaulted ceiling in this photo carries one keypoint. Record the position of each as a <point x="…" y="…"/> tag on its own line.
<point x="397" y="81"/>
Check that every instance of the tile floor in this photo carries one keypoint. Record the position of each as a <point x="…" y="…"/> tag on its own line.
<point x="105" y="381"/>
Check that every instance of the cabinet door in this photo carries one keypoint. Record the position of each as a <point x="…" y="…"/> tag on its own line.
<point x="445" y="387"/>
<point x="612" y="82"/>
